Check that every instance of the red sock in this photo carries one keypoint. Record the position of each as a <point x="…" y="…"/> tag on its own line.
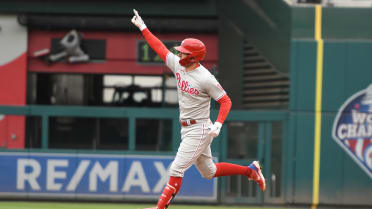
<point x="229" y="169"/>
<point x="170" y="190"/>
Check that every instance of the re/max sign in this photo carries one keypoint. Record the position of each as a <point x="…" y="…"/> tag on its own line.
<point x="29" y="172"/>
<point x="95" y="175"/>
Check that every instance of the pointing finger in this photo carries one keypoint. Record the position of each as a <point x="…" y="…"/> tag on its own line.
<point x="135" y="13"/>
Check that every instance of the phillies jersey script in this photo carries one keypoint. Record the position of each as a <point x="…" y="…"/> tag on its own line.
<point x="195" y="89"/>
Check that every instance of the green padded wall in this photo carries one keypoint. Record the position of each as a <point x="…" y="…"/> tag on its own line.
<point x="346" y="70"/>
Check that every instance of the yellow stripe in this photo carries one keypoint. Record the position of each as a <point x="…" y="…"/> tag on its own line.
<point x="318" y="104"/>
<point x="318" y="22"/>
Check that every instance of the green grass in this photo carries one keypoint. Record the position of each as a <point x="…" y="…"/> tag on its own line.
<point x="71" y="205"/>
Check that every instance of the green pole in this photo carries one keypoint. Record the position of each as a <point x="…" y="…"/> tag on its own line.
<point x="175" y="134"/>
<point x="44" y="131"/>
<point x="132" y="133"/>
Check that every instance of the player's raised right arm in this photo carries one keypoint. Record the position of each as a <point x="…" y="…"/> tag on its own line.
<point x="152" y="40"/>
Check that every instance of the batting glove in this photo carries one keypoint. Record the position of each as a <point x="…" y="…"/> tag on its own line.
<point x="137" y="21"/>
<point x="215" y="129"/>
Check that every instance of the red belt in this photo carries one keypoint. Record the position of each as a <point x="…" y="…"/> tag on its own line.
<point x="188" y="122"/>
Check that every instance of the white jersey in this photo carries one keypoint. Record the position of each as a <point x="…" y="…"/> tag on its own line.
<point x="195" y="89"/>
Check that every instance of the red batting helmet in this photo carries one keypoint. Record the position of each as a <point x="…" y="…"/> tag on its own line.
<point x="194" y="48"/>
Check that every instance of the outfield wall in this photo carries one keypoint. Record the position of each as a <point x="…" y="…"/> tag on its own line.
<point x="329" y="65"/>
<point x="345" y="164"/>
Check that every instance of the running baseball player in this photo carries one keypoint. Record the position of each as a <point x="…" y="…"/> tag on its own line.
<point x="195" y="86"/>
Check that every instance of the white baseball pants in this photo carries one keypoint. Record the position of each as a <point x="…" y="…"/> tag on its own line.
<point x="195" y="148"/>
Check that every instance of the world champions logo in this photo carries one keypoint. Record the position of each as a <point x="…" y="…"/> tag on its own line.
<point x="352" y="128"/>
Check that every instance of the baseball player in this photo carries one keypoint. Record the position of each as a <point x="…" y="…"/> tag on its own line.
<point x="195" y="86"/>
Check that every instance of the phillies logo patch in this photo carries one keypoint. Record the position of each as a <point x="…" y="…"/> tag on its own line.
<point x="352" y="128"/>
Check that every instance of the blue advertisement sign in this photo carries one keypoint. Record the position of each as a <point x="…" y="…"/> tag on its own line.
<point x="98" y="176"/>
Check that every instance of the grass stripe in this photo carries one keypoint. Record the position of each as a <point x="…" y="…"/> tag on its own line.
<point x="78" y="205"/>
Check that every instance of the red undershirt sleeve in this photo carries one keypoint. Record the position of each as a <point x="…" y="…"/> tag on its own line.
<point x="155" y="44"/>
<point x="225" y="106"/>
